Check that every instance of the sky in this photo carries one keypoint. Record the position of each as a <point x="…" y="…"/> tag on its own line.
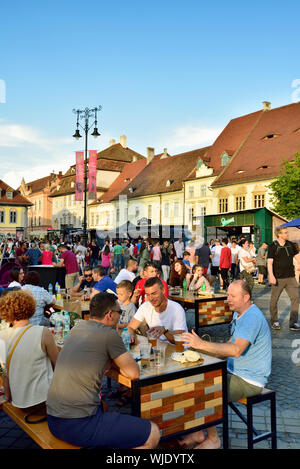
<point x="168" y="74"/>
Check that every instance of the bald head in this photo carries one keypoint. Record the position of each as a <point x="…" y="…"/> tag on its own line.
<point x="239" y="296"/>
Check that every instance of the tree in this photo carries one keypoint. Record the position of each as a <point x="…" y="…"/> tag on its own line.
<point x="286" y="189"/>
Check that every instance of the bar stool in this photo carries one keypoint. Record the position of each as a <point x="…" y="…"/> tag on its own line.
<point x="265" y="395"/>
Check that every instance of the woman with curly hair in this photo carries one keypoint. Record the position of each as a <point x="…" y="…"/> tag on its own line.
<point x="178" y="273"/>
<point x="33" y="359"/>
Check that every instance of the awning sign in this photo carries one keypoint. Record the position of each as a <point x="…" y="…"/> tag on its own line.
<point x="225" y="222"/>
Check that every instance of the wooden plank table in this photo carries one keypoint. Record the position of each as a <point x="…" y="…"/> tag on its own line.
<point x="181" y="398"/>
<point x="74" y="305"/>
<point x="210" y="310"/>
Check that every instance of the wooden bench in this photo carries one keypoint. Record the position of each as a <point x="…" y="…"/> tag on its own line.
<point x="39" y="432"/>
<point x="249" y="402"/>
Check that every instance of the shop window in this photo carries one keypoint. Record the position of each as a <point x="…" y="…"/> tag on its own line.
<point x="223" y="205"/>
<point x="240" y="203"/>
<point x="259" y="200"/>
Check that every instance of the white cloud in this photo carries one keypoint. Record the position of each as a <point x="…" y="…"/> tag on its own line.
<point x="189" y="137"/>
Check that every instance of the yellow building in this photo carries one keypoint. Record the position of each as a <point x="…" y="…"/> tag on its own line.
<point x="13" y="211"/>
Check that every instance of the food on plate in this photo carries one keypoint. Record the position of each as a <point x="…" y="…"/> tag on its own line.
<point x="187" y="356"/>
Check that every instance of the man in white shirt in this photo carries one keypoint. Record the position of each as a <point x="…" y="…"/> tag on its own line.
<point x="179" y="248"/>
<point x="164" y="317"/>
<point x="128" y="273"/>
<point x="215" y="260"/>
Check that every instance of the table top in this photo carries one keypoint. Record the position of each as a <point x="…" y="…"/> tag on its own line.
<point x="190" y="296"/>
<point x="68" y="305"/>
<point x="171" y="366"/>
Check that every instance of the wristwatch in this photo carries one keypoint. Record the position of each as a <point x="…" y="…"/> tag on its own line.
<point x="165" y="330"/>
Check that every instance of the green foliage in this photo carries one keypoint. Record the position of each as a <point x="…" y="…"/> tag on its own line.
<point x="286" y="189"/>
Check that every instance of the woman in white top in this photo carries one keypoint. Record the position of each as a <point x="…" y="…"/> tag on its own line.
<point x="17" y="275"/>
<point x="33" y="359"/>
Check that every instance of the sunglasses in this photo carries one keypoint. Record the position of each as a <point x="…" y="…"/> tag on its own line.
<point x="88" y="275"/>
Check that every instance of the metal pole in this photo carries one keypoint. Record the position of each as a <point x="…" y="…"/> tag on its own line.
<point x="85" y="185"/>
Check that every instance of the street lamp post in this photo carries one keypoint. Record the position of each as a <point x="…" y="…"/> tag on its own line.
<point x="86" y="114"/>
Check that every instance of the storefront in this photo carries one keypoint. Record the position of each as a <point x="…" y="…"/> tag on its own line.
<point x="256" y="225"/>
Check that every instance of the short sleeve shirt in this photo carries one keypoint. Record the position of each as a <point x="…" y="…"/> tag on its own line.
<point x="75" y="387"/>
<point x="173" y="317"/>
<point x="255" y="362"/>
<point x="70" y="262"/>
<point x="282" y="256"/>
<point x="105" y="283"/>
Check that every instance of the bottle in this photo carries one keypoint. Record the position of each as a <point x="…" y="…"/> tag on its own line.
<point x="184" y="285"/>
<point x="126" y="338"/>
<point x="66" y="324"/>
<point x="203" y="288"/>
<point x="50" y="289"/>
<point x="58" y="327"/>
<point x="58" y="294"/>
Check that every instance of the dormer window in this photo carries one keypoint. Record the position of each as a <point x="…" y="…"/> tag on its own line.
<point x="131" y="189"/>
<point x="72" y="184"/>
<point x="9" y="194"/>
<point x="169" y="182"/>
<point x="224" y="158"/>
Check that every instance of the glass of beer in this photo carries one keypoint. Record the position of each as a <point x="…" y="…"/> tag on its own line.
<point x="151" y="338"/>
<point x="178" y="343"/>
<point x="145" y="350"/>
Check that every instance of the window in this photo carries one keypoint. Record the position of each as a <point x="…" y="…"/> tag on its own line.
<point x="40" y="204"/>
<point x="191" y="191"/>
<point x="117" y="215"/>
<point x="97" y="219"/>
<point x="240" y="203"/>
<point x="2" y="216"/>
<point x="167" y="209"/>
<point x="203" y="190"/>
<point x="191" y="214"/>
<point x="92" y="220"/>
<point x="39" y="221"/>
<point x="259" y="200"/>
<point x="9" y="194"/>
<point x="224" y="158"/>
<point x="202" y="210"/>
<point x="137" y="212"/>
<point x="12" y="216"/>
<point x="176" y="209"/>
<point x="223" y="205"/>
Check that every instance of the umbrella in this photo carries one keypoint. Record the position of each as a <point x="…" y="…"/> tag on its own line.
<point x="294" y="223"/>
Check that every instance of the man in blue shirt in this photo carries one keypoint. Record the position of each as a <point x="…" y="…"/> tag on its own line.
<point x="249" y="353"/>
<point x="34" y="254"/>
<point x="103" y="282"/>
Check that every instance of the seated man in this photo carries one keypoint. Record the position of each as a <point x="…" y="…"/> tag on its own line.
<point x="103" y="282"/>
<point x="85" y="281"/>
<point x="149" y="271"/>
<point x="129" y="272"/>
<point x="74" y="408"/>
<point x="249" y="353"/>
<point x="163" y="316"/>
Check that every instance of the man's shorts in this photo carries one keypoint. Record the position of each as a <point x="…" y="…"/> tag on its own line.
<point x="238" y="388"/>
<point x="102" y="430"/>
<point x="262" y="270"/>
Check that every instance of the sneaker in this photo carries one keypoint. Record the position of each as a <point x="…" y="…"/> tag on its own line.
<point x="295" y="327"/>
<point x="275" y="325"/>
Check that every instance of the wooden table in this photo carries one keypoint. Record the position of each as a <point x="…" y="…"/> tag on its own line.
<point x="181" y="398"/>
<point x="209" y="310"/>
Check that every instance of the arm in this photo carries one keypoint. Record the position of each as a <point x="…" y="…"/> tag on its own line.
<point x="127" y="365"/>
<point x="272" y="278"/>
<point x="49" y="346"/>
<point x="132" y="327"/>
<point x="228" y="349"/>
<point x="59" y="264"/>
<point x="77" y="287"/>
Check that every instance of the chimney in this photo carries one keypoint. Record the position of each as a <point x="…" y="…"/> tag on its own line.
<point x="150" y="154"/>
<point x="165" y="154"/>
<point x="112" y="142"/>
<point x="266" y="106"/>
<point x="123" y="141"/>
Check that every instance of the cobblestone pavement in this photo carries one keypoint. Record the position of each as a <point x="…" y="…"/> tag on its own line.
<point x="285" y="380"/>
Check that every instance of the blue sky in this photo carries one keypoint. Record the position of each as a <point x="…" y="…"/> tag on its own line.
<point x="168" y="74"/>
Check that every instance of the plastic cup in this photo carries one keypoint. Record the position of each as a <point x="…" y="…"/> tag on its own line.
<point x="159" y="354"/>
<point x="145" y="351"/>
<point x="151" y="338"/>
<point x="178" y="343"/>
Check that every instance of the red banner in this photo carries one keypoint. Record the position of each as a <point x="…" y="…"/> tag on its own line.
<point x="79" y="187"/>
<point x="92" y="174"/>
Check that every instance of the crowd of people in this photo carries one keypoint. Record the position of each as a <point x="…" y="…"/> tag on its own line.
<point x="128" y="285"/>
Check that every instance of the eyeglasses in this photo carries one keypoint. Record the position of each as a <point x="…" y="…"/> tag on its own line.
<point x="88" y="275"/>
<point x="117" y="311"/>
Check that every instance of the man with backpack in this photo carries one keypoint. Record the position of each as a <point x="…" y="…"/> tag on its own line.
<point x="281" y="273"/>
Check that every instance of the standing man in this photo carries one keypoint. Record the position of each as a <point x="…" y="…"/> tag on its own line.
<point x="215" y="261"/>
<point x="69" y="261"/>
<point x="281" y="273"/>
<point x="249" y="353"/>
<point x="179" y="248"/>
<point x="261" y="259"/>
<point x="74" y="409"/>
<point x="202" y="257"/>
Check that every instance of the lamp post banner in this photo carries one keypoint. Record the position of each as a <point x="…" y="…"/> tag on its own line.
<point x="92" y="174"/>
<point x="79" y="187"/>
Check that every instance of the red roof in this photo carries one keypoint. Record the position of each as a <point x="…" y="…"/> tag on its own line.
<point x="17" y="198"/>
<point x="261" y="141"/>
